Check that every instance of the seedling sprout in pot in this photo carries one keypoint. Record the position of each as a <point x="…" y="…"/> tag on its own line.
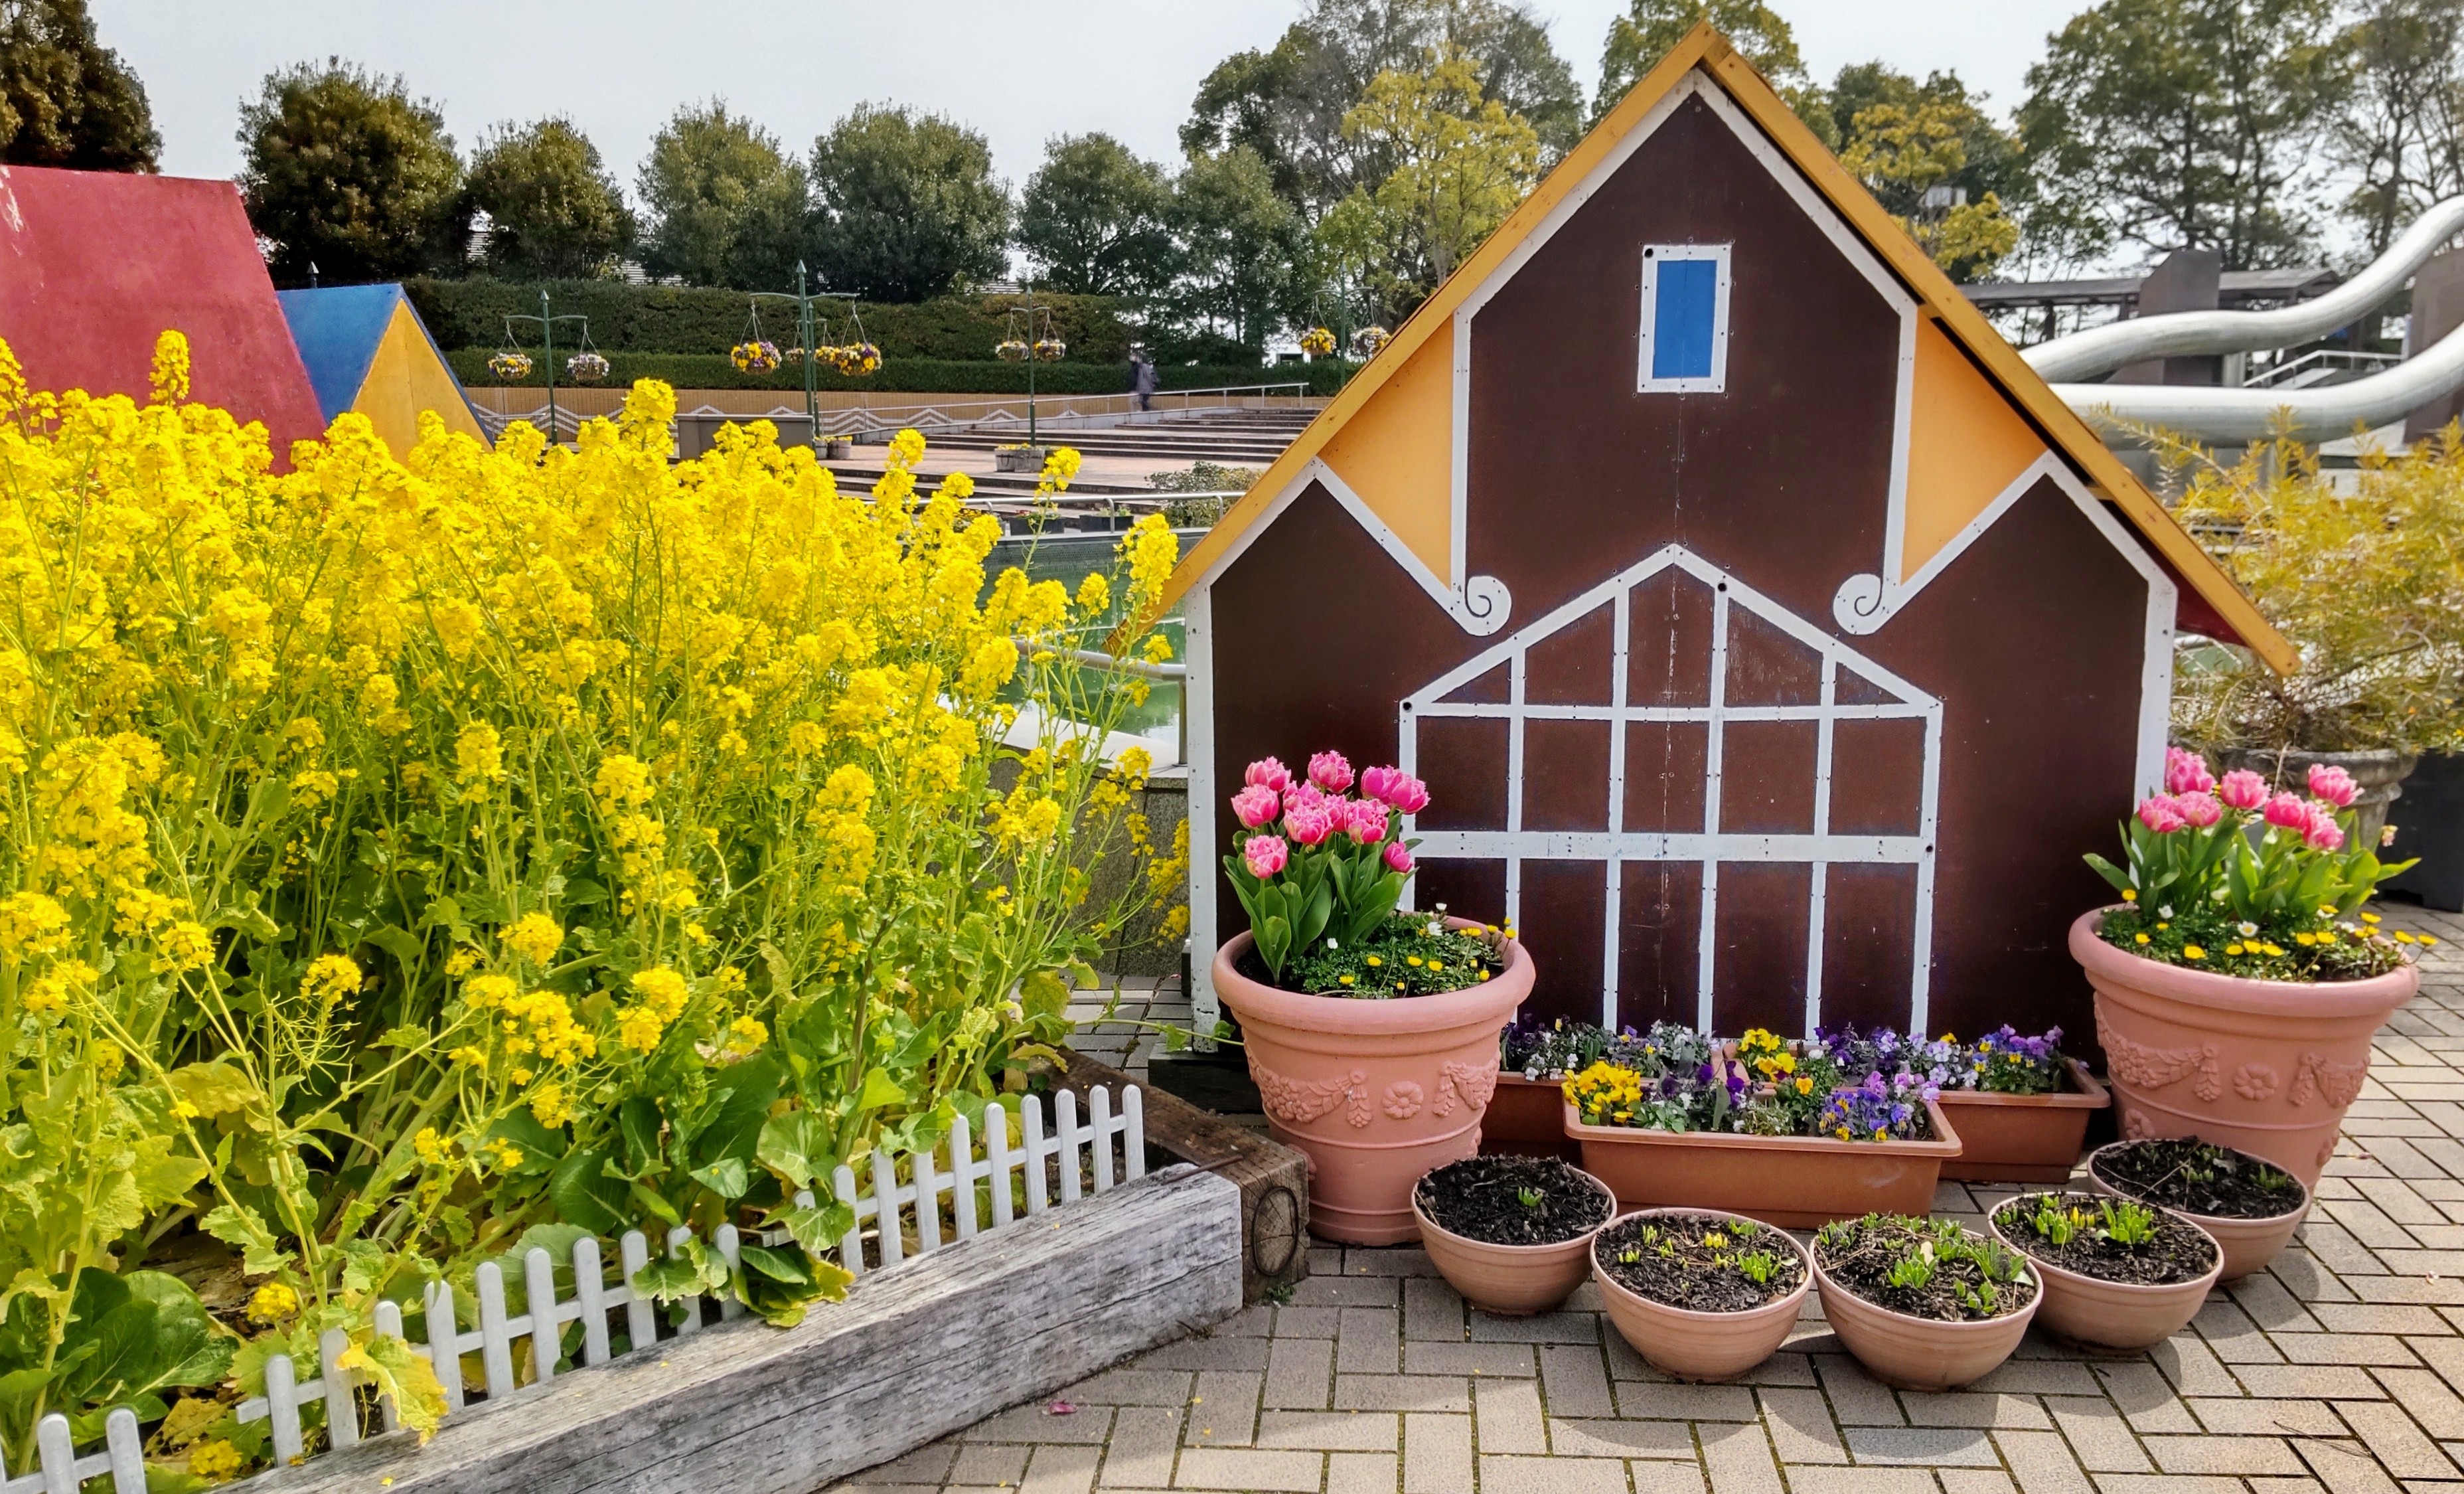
<point x="2119" y="1274"/>
<point x="1922" y="1304"/>
<point x="1701" y="1294"/>
<point x="1510" y="1233"/>
<point x="2250" y="1206"/>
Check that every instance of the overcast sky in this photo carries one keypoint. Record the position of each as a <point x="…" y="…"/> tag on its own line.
<point x="1019" y="70"/>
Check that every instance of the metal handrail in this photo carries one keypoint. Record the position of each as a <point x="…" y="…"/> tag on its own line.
<point x="2320" y="357"/>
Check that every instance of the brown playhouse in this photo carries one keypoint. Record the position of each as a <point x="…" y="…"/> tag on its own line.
<point x="1773" y="640"/>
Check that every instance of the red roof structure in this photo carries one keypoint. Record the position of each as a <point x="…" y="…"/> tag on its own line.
<point x="94" y="265"/>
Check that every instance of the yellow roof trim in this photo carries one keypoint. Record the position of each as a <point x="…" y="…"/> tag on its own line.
<point x="1938" y="296"/>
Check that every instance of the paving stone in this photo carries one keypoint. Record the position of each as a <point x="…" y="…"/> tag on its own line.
<point x="1957" y="1446"/>
<point x="1541" y="1328"/>
<point x="1140" y="1456"/>
<point x="2194" y="1368"/>
<point x="1574" y="1380"/>
<point x="1360" y="1472"/>
<point x="1246" y="1354"/>
<point x="990" y="1462"/>
<point x="1307" y="1322"/>
<point x="2381" y="1318"/>
<point x="1331" y="1431"/>
<point x="2042" y="1462"/>
<point x="1501" y="1359"/>
<point x="1866" y="1480"/>
<point x="1971" y="1409"/>
<point x="1401" y="1392"/>
<point x="2353" y="1348"/>
<point x="1675" y="1402"/>
<point x="1974" y="1480"/>
<point x="1025" y="1424"/>
<point x="2426" y="1395"/>
<point x="1801" y="1427"/>
<point x="2166" y="1484"/>
<point x="2222" y="1454"/>
<point x="2395" y="1442"/>
<point x="2272" y="1306"/>
<point x="2099" y="1434"/>
<point x="2041" y="1378"/>
<point x="1300" y="1374"/>
<point x="1857" y="1398"/>
<point x="1225" y="1410"/>
<point x="1436" y="1453"/>
<point x="1513" y="1475"/>
<point x="2344" y="1467"/>
<point x="1604" y="1439"/>
<point x="1666" y="1478"/>
<point x="1366" y="1343"/>
<point x="1738" y="1457"/>
<point x="1343" y="1291"/>
<point x="2233" y="1337"/>
<point x="2146" y="1398"/>
<point x="1249" y="1469"/>
<point x="1433" y="1310"/>
<point x="1133" y="1387"/>
<point x="1060" y="1468"/>
<point x="2247" y="1416"/>
<point x="2319" y="1381"/>
<point x="1388" y="1260"/>
<point x="1506" y="1417"/>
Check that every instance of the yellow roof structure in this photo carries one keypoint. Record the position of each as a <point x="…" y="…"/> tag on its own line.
<point x="1980" y="420"/>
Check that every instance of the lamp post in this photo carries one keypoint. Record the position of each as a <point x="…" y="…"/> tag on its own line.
<point x="1031" y="341"/>
<point x="547" y="319"/>
<point x="805" y="329"/>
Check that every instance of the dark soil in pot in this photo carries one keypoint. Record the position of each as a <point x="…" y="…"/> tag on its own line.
<point x="1700" y="1264"/>
<point x="2111" y="1239"/>
<point x="1511" y="1200"/>
<point x="1924" y="1268"/>
<point x="2196" y="1177"/>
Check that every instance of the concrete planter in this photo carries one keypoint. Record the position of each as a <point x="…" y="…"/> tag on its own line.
<point x="1023" y="459"/>
<point x="916" y="1353"/>
<point x="1797" y="1182"/>
<point x="2381" y="773"/>
<point x="2266" y="1066"/>
<point x="2023" y="1138"/>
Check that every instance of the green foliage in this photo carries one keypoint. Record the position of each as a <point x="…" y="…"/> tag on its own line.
<point x="345" y="170"/>
<point x="904" y="205"/>
<point x="1092" y="219"/>
<point x="725" y="205"/>
<point x="2128" y="1224"/>
<point x="553" y="213"/>
<point x="65" y="99"/>
<point x="125" y="1341"/>
<point x="1240" y="244"/>
<point x="916" y="375"/>
<point x="2158" y="124"/>
<point x="2053" y="1223"/>
<point x="1460" y="163"/>
<point x="1651" y="28"/>
<point x="1903" y="139"/>
<point x="2395" y="134"/>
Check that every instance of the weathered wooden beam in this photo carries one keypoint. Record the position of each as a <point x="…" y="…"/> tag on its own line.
<point x="914" y="1354"/>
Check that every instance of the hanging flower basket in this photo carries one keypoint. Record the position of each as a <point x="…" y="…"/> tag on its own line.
<point x="1010" y="349"/>
<point x="1318" y="341"/>
<point x="510" y="367"/>
<point x="585" y="367"/>
<point x="759" y="356"/>
<point x="1050" y="349"/>
<point x="1366" y="343"/>
<point x="858" y="359"/>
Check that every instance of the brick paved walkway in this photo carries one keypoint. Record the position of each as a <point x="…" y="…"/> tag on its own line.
<point x="2339" y="1370"/>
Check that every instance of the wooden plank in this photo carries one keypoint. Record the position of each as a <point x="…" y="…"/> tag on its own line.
<point x="913" y="1355"/>
<point x="1273" y="1178"/>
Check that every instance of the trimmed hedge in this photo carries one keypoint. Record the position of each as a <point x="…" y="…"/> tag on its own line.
<point x="913" y="375"/>
<point x="669" y="319"/>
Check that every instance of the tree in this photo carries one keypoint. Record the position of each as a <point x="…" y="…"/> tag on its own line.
<point x="553" y="213"/>
<point x="1462" y="161"/>
<point x="1093" y="218"/>
<point x="2400" y="132"/>
<point x="346" y="172"/>
<point x="1287" y="104"/>
<point x="1930" y="155"/>
<point x="726" y="205"/>
<point x="2181" y="123"/>
<point x="65" y="99"/>
<point x="1651" y="28"/>
<point x="905" y="207"/>
<point x="1240" y="242"/>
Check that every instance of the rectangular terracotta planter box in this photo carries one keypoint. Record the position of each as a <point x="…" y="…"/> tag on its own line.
<point x="1797" y="1182"/>
<point x="1528" y="1117"/>
<point x="2022" y="1138"/>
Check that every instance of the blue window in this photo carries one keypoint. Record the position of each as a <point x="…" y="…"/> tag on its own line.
<point x="1685" y="333"/>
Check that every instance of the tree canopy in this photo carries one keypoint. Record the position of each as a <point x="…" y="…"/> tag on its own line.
<point x="65" y="99"/>
<point x="904" y="205"/>
<point x="345" y="170"/>
<point x="552" y="211"/>
<point x="1093" y="216"/>
<point x="725" y="205"/>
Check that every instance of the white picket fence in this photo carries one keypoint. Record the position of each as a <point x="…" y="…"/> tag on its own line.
<point x="1048" y="1167"/>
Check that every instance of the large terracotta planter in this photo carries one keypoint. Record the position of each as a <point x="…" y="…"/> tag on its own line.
<point x="2111" y="1315"/>
<point x="2022" y="1138"/>
<point x="1921" y="1353"/>
<point x="1711" y="1347"/>
<point x="1796" y="1182"/>
<point x="1375" y="1093"/>
<point x="2249" y="1245"/>
<point x="1510" y="1280"/>
<point x="2264" y="1066"/>
<point x="1528" y="1117"/>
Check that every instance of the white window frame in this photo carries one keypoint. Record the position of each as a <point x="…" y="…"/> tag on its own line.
<point x="1653" y="256"/>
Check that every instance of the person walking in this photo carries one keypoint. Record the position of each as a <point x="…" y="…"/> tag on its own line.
<point x="1142" y="378"/>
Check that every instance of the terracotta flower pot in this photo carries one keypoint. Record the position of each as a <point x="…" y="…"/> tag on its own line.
<point x="2023" y="1138"/>
<point x="1527" y="1117"/>
<point x="2249" y="1244"/>
<point x="1374" y="1092"/>
<point x="1510" y="1280"/>
<point x="1796" y="1182"/>
<point x="2111" y="1315"/>
<point x="2264" y="1066"/>
<point x="1921" y="1353"/>
<point x="1710" y="1347"/>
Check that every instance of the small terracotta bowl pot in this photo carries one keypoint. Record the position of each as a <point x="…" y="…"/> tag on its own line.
<point x="2114" y="1316"/>
<point x="1510" y="1280"/>
<point x="2249" y="1244"/>
<point x="1708" y="1347"/>
<point x="1921" y="1353"/>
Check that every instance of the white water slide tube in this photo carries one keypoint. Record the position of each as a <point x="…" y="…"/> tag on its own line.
<point x="2211" y="414"/>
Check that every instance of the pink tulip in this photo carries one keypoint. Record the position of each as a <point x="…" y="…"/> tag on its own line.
<point x="2200" y="809"/>
<point x="1397" y="788"/>
<point x="1265" y="855"/>
<point x="2186" y="772"/>
<point x="2159" y="815"/>
<point x="1256" y="805"/>
<point x="2243" y="789"/>
<point x="1310" y="824"/>
<point x="1366" y="821"/>
<point x="1398" y="857"/>
<point x="2334" y="784"/>
<point x="2322" y="833"/>
<point x="1268" y="773"/>
<point x="2287" y="812"/>
<point x="1330" y="771"/>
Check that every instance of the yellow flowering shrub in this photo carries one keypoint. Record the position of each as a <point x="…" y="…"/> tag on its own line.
<point x="400" y="856"/>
